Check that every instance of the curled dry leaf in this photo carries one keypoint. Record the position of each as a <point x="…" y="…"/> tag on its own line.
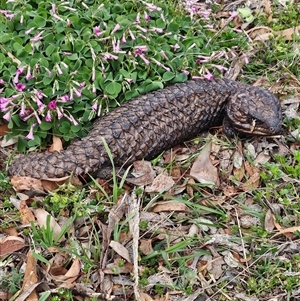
<point x="26" y="183"/>
<point x="143" y="173"/>
<point x="269" y="221"/>
<point x="203" y="170"/>
<point x="41" y="217"/>
<point x="120" y="249"/>
<point x="30" y="277"/>
<point x="56" y="145"/>
<point x="161" y="184"/>
<point x="11" y="244"/>
<point x="65" y="278"/>
<point x="26" y="214"/>
<point x="169" y="206"/>
<point x="146" y="246"/>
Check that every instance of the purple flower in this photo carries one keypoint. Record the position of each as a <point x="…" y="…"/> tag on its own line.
<point x="30" y="134"/>
<point x="37" y="117"/>
<point x="20" y="87"/>
<point x="52" y="104"/>
<point x="129" y="80"/>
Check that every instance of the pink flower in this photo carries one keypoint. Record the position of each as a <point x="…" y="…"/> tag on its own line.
<point x="123" y="39"/>
<point x="94" y="106"/>
<point x="30" y="134"/>
<point x="233" y="15"/>
<point x="176" y="46"/>
<point x="37" y="117"/>
<point x="7" y="116"/>
<point x="77" y="92"/>
<point x="129" y="80"/>
<point x="137" y="19"/>
<point x="2" y="82"/>
<point x="97" y="31"/>
<point x="163" y="54"/>
<point x="58" y="70"/>
<point x="28" y="75"/>
<point x="141" y="28"/>
<point x="117" y="27"/>
<point x="131" y="35"/>
<point x="48" y="117"/>
<point x="142" y="56"/>
<point x="185" y="72"/>
<point x="59" y="113"/>
<point x="36" y="38"/>
<point x="146" y="16"/>
<point x="18" y="72"/>
<point x="52" y="104"/>
<point x="22" y="112"/>
<point x="64" y="98"/>
<point x="208" y="75"/>
<point x="20" y="87"/>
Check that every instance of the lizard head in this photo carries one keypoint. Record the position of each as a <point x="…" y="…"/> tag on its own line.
<point x="253" y="112"/>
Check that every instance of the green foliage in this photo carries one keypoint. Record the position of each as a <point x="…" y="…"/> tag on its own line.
<point x="62" y="64"/>
<point x="12" y="282"/>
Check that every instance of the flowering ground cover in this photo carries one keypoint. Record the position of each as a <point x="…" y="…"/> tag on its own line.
<point x="171" y="234"/>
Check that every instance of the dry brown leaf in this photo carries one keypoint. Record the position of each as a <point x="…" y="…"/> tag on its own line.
<point x="26" y="183"/>
<point x="115" y="268"/>
<point x="4" y="129"/>
<point x="161" y="184"/>
<point x="64" y="277"/>
<point x="26" y="214"/>
<point x="56" y="145"/>
<point x="143" y="173"/>
<point x="145" y="297"/>
<point x="146" y="246"/>
<point x="269" y="221"/>
<point x="11" y="244"/>
<point x="203" y="170"/>
<point x="287" y="33"/>
<point x="169" y="206"/>
<point x="252" y="182"/>
<point x="120" y="249"/>
<point x="52" y="184"/>
<point x="288" y="232"/>
<point x="11" y="232"/>
<point x="30" y="277"/>
<point x="41" y="217"/>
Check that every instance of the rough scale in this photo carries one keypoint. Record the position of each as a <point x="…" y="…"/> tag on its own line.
<point x="149" y="124"/>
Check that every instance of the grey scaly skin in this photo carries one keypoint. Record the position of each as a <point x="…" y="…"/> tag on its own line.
<point x="152" y="123"/>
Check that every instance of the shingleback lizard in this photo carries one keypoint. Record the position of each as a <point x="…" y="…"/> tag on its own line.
<point x="151" y="123"/>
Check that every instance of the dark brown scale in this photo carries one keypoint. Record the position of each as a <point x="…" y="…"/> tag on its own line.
<point x="152" y="123"/>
